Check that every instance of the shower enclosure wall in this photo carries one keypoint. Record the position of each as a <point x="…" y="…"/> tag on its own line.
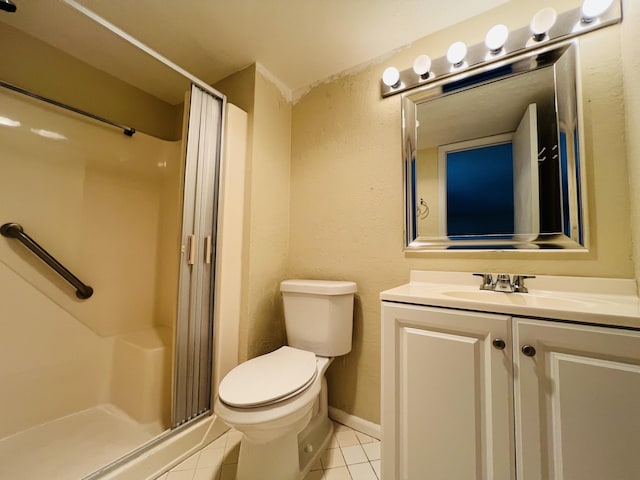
<point x="87" y="381"/>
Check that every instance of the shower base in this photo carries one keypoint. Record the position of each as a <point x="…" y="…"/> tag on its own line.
<point x="73" y="446"/>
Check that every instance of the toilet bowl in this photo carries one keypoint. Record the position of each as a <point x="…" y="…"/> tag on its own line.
<point x="277" y="436"/>
<point x="279" y="400"/>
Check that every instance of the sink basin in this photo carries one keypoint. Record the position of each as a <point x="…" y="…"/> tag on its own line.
<point x="524" y="299"/>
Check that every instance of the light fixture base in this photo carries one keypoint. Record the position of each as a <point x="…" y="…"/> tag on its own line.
<point x="519" y="41"/>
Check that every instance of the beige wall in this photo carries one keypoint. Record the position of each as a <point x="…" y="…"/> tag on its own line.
<point x="631" y="68"/>
<point x="106" y="206"/>
<point x="33" y="65"/>
<point x="346" y="204"/>
<point x="346" y="193"/>
<point x="240" y="90"/>
<point x="95" y="200"/>
<point x="51" y="364"/>
<point x="230" y="244"/>
<point x="266" y="228"/>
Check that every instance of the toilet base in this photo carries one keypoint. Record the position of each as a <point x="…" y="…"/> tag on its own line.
<point x="312" y="441"/>
<point x="276" y="459"/>
<point x="288" y="458"/>
<point x="291" y="456"/>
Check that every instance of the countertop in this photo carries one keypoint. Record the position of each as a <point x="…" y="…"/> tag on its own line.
<point x="602" y="301"/>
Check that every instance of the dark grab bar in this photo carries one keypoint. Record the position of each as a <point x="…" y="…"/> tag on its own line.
<point x="14" y="230"/>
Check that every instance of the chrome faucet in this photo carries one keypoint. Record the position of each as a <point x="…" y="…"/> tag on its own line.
<point x="503" y="283"/>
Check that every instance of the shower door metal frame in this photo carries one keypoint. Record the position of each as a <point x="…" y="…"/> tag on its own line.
<point x="193" y="352"/>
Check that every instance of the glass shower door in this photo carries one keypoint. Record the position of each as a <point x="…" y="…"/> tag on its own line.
<point x="194" y="333"/>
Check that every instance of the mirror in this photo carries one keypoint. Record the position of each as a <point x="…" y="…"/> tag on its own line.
<point x="492" y="157"/>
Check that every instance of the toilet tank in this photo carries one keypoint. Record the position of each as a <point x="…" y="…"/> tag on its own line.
<point x="318" y="315"/>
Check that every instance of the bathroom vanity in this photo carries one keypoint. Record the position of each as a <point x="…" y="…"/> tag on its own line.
<point x="490" y="385"/>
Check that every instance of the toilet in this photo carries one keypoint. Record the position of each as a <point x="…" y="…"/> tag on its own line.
<point x="279" y="400"/>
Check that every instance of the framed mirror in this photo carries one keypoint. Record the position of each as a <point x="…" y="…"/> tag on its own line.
<point x="492" y="157"/>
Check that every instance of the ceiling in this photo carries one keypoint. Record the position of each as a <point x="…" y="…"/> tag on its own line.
<point x="300" y="42"/>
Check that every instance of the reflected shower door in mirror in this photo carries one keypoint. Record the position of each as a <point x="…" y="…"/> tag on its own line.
<point x="492" y="158"/>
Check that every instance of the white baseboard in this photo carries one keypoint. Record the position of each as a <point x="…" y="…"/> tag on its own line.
<point x="357" y="423"/>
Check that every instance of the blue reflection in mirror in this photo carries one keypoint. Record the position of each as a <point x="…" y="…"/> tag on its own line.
<point x="480" y="191"/>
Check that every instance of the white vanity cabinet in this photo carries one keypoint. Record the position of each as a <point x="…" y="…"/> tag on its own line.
<point x="577" y="401"/>
<point x="447" y="403"/>
<point x="555" y="401"/>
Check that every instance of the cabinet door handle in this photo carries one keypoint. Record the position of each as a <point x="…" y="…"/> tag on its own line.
<point x="499" y="343"/>
<point x="528" y="350"/>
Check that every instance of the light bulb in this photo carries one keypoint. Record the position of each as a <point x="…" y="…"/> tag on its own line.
<point x="391" y="77"/>
<point x="456" y="53"/>
<point x="592" y="9"/>
<point x="542" y="22"/>
<point x="422" y="66"/>
<point x="496" y="38"/>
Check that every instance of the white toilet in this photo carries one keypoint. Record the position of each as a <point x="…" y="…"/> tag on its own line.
<point x="279" y="400"/>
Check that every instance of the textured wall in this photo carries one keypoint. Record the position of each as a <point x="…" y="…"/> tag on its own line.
<point x="230" y="244"/>
<point x="240" y="90"/>
<point x="266" y="228"/>
<point x="631" y="69"/>
<point x="269" y="213"/>
<point x="346" y="193"/>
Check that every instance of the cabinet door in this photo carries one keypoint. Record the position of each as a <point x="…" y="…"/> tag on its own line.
<point x="447" y="410"/>
<point x="577" y="402"/>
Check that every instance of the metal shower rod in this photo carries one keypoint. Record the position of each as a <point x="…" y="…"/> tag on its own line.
<point x="126" y="130"/>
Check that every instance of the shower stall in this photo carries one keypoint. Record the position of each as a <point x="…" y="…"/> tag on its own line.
<point x="107" y="256"/>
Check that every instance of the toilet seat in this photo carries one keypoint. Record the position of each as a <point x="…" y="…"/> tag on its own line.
<point x="269" y="378"/>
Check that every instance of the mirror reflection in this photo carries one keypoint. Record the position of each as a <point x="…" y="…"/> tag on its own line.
<point x="492" y="159"/>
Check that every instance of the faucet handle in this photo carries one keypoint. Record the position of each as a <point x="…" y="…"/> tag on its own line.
<point x="518" y="283"/>
<point x="487" y="281"/>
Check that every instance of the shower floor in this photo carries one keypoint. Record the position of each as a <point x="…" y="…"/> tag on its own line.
<point x="74" y="446"/>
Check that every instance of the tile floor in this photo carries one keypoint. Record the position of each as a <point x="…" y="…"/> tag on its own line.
<point x="351" y="455"/>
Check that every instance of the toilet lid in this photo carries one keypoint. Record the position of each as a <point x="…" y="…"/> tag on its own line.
<point x="268" y="378"/>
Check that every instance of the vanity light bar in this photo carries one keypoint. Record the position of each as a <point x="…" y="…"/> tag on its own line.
<point x="564" y="26"/>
